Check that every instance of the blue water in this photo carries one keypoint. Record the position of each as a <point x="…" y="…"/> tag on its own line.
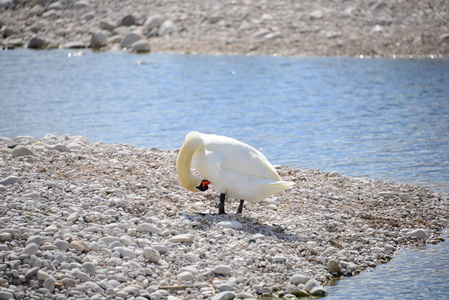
<point x="384" y="118"/>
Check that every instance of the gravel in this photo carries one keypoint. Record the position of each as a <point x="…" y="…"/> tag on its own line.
<point x="107" y="221"/>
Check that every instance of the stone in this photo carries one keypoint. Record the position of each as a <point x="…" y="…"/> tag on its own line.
<point x="73" y="217"/>
<point x="37" y="43"/>
<point x="418" y="233"/>
<point x="59" y="147"/>
<point x="141" y="46"/>
<point x="21" y="151"/>
<point x="106" y="25"/>
<point x="30" y="249"/>
<point x="333" y="266"/>
<point x="49" y="284"/>
<point x="316" y="15"/>
<point x="98" y="40"/>
<point x="31" y="272"/>
<point x="223" y="270"/>
<point x="318" y="291"/>
<point x="182" y="238"/>
<point x="168" y="27"/>
<point x="126" y="252"/>
<point x="75" y="45"/>
<point x="147" y="227"/>
<point x="79" y="246"/>
<point x="224" y="296"/>
<point x="62" y="245"/>
<point x="128" y="20"/>
<point x="34" y="239"/>
<point x="311" y="284"/>
<point x="10" y="180"/>
<point x="81" y="4"/>
<point x="186" y="276"/>
<point x="89" y="268"/>
<point x="299" y="279"/>
<point x="42" y="275"/>
<point x="6" y="3"/>
<point x="230" y="224"/>
<point x="151" y="254"/>
<point x="153" y="22"/>
<point x="130" y="39"/>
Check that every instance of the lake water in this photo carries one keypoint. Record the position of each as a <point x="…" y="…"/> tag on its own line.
<point x="385" y="119"/>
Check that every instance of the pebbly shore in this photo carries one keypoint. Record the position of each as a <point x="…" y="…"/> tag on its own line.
<point x="82" y="220"/>
<point x="380" y="28"/>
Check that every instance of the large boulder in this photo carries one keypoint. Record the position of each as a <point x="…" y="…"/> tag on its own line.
<point x="141" y="46"/>
<point x="37" y="43"/>
<point x="130" y="39"/>
<point x="98" y="40"/>
<point x="168" y="27"/>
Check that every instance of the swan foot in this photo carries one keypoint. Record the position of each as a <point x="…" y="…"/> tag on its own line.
<point x="240" y="209"/>
<point x="221" y="206"/>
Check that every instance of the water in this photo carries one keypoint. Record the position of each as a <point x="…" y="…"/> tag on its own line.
<point x="385" y="119"/>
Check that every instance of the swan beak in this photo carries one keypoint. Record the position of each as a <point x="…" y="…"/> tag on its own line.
<point x="203" y="185"/>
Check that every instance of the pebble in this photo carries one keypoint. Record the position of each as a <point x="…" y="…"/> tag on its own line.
<point x="146" y="227"/>
<point x="333" y="266"/>
<point x="418" y="233"/>
<point x="230" y="224"/>
<point x="224" y="296"/>
<point x="299" y="279"/>
<point x="182" y="238"/>
<point x="10" y="180"/>
<point x="30" y="249"/>
<point x="223" y="270"/>
<point x="21" y="151"/>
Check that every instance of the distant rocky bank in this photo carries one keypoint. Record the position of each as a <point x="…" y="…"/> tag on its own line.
<point x="82" y="220"/>
<point x="398" y="28"/>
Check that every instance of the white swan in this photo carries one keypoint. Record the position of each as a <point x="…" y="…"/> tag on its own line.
<point x="234" y="168"/>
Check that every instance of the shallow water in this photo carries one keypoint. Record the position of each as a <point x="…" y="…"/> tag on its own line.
<point x="385" y="119"/>
<point x="418" y="273"/>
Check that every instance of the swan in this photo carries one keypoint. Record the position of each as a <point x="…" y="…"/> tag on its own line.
<point x="235" y="169"/>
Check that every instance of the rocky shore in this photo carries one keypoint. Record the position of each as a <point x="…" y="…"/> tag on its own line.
<point x="82" y="220"/>
<point x="398" y="28"/>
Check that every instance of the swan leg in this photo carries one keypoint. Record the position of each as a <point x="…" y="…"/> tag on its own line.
<point x="221" y="209"/>
<point x="240" y="209"/>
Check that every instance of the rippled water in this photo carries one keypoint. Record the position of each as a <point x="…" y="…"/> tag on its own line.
<point x="385" y="119"/>
<point x="419" y="273"/>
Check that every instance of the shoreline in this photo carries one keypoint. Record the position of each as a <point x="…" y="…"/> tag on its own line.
<point x="341" y="28"/>
<point x="101" y="221"/>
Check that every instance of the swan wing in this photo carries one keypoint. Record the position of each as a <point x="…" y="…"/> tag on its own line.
<point x="239" y="157"/>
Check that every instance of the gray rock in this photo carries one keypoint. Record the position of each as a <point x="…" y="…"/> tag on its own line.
<point x="182" y="238"/>
<point x="21" y="151"/>
<point x="81" y="4"/>
<point x="224" y="296"/>
<point x="230" y="224"/>
<point x="10" y="180"/>
<point x="49" y="284"/>
<point x="311" y="284"/>
<point x="223" y="270"/>
<point x="89" y="268"/>
<point x="6" y="295"/>
<point x="316" y="15"/>
<point x="130" y="39"/>
<point x="30" y="249"/>
<point x="186" y="276"/>
<point x="6" y="3"/>
<point x="333" y="266"/>
<point x="148" y="227"/>
<point x="31" y="272"/>
<point x="418" y="233"/>
<point x="121" y="30"/>
<point x="42" y="275"/>
<point x="59" y="147"/>
<point x="168" y="27"/>
<point x="153" y="22"/>
<point x="299" y="279"/>
<point x="106" y="25"/>
<point x="75" y="45"/>
<point x="318" y="291"/>
<point x="141" y="46"/>
<point x="98" y="40"/>
<point x="62" y="245"/>
<point x="151" y="254"/>
<point x="34" y="239"/>
<point x="128" y="20"/>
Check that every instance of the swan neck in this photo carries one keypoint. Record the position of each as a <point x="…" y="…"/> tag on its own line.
<point x="186" y="153"/>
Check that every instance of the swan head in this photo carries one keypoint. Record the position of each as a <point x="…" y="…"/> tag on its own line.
<point x="190" y="182"/>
